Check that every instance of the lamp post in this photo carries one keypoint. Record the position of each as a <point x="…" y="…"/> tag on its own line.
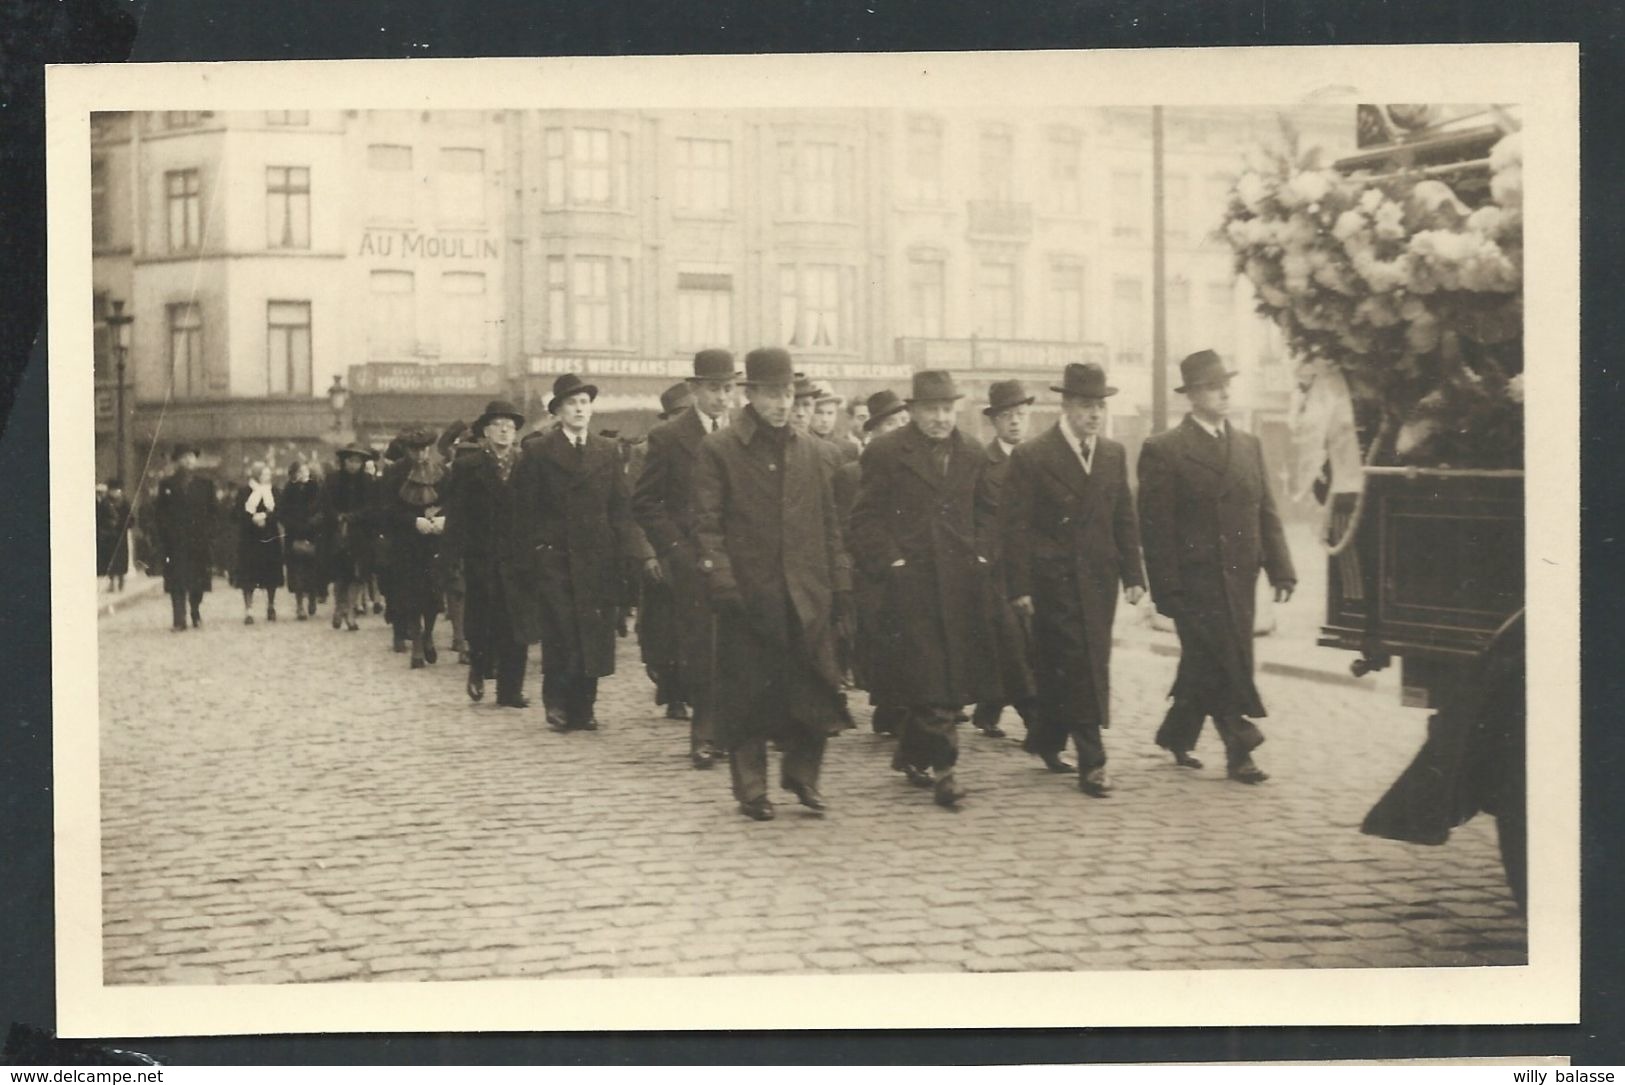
<point x="338" y="397"/>
<point x="120" y="323"/>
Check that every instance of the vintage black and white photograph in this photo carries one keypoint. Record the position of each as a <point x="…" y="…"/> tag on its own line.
<point x="616" y="540"/>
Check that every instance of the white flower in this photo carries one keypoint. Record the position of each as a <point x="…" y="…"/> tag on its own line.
<point x="1506" y="187"/>
<point x="1508" y="153"/>
<point x="1348" y="224"/>
<point x="1390" y="221"/>
<point x="1252" y="190"/>
<point x="1310" y="187"/>
<point x="1370" y="200"/>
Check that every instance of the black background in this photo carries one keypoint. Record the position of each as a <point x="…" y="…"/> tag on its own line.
<point x="36" y="32"/>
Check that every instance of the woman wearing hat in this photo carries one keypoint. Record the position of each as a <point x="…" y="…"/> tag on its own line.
<point x="259" y="541"/>
<point x="415" y="521"/>
<point x="346" y="499"/>
<point x="184" y="514"/>
<point x="301" y="511"/>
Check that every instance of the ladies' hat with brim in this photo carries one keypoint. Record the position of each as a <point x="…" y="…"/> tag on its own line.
<point x="497" y="408"/>
<point x="1201" y="370"/>
<point x="882" y="405"/>
<point x="1086" y="379"/>
<point x="358" y="450"/>
<point x="567" y="386"/>
<point x="1002" y="395"/>
<point x="449" y="436"/>
<point x="418" y="437"/>
<point x="934" y="386"/>
<point x="769" y="365"/>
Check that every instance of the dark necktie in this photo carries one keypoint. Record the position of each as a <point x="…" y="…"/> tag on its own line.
<point x="939" y="452"/>
<point x="1083" y="451"/>
<point x="581" y="448"/>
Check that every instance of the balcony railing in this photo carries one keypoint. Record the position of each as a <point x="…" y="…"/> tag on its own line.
<point x="1002" y="220"/>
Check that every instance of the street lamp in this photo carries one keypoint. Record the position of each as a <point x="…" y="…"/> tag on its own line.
<point x="120" y="323"/>
<point x="338" y="397"/>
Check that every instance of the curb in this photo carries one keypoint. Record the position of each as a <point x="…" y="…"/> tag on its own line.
<point x="108" y="605"/>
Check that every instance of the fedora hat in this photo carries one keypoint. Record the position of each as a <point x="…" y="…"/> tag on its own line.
<point x="1002" y="395"/>
<point x="714" y="364"/>
<point x="358" y="450"/>
<point x="1202" y="368"/>
<point x="677" y="397"/>
<point x="567" y="386"/>
<point x="825" y="391"/>
<point x="769" y="365"/>
<point x="1084" y="379"/>
<point x="497" y="408"/>
<point x="934" y="385"/>
<point x="882" y="405"/>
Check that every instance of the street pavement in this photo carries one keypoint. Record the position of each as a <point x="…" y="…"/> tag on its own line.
<point x="286" y="803"/>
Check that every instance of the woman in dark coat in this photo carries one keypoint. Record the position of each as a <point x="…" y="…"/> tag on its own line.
<point x="113" y="523"/>
<point x="259" y="541"/>
<point x="346" y="519"/>
<point x="414" y="522"/>
<point x="301" y="511"/>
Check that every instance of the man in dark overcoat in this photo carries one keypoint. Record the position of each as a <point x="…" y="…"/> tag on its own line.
<point x="575" y="519"/>
<point x="1008" y="406"/>
<point x="1210" y="524"/>
<point x="922" y="503"/>
<point x="664" y="505"/>
<point x="482" y="534"/>
<point x="883" y="412"/>
<point x="1070" y="540"/>
<point x="657" y="610"/>
<point x="776" y="575"/>
<point x="184" y="514"/>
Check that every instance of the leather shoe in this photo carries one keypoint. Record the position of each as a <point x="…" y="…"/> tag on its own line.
<point x="588" y="724"/>
<point x="476" y="687"/>
<point x="807" y="795"/>
<point x="430" y="653"/>
<point x="1185" y="760"/>
<point x="1247" y="773"/>
<point x="992" y="730"/>
<point x="556" y="720"/>
<point x="947" y="792"/>
<point x="757" y="809"/>
<point x="701" y="759"/>
<point x="1056" y="763"/>
<point x="514" y="702"/>
<point x="1094" y="784"/>
<point x="918" y="777"/>
<point x="677" y="710"/>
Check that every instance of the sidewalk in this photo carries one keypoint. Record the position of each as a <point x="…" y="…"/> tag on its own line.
<point x="137" y="586"/>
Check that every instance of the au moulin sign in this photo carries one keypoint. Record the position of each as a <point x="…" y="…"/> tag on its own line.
<point x="414" y="244"/>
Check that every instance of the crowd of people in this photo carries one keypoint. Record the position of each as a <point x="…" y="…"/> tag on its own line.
<point x="780" y="563"/>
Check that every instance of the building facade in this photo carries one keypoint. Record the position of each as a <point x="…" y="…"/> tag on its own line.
<point x="429" y="261"/>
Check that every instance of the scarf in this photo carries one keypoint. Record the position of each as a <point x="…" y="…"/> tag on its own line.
<point x="504" y="460"/>
<point x="419" y="489"/>
<point x="260" y="498"/>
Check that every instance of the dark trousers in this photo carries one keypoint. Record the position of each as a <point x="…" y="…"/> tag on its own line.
<point x="568" y="691"/>
<point x="929" y="738"/>
<point x="803" y="757"/>
<point x="1067" y="703"/>
<point x="1183" y="726"/>
<point x="988" y="713"/>
<point x="178" y="602"/>
<point x="492" y="646"/>
<point x="888" y="719"/>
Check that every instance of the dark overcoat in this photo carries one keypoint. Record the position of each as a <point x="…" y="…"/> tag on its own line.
<point x="576" y="525"/>
<point x="1071" y="541"/>
<point x="300" y="507"/>
<point x="1210" y="525"/>
<point x="663" y="503"/>
<point x="184" y="512"/>
<point x="347" y="523"/>
<point x="925" y="536"/>
<point x="1012" y="632"/>
<point x="113" y="524"/>
<point x="767" y="531"/>
<point x="259" y="546"/>
<point x="868" y="593"/>
<point x="414" y="556"/>
<point x="483" y="536"/>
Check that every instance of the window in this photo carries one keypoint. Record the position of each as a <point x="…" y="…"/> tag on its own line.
<point x="174" y="119"/>
<point x="182" y="191"/>
<point x="589" y="301"/>
<point x="1221" y="317"/>
<point x="1179" y="318"/>
<point x="996" y="300"/>
<point x="1066" y="303"/>
<point x="704" y="175"/>
<point x="389" y="194"/>
<point x="1128" y="203"/>
<point x="926" y="282"/>
<point x="1176" y="208"/>
<point x="1066" y="170"/>
<point x="99" y="226"/>
<point x="186" y="375"/>
<point x="586" y="167"/>
<point x="287" y="348"/>
<point x="815" y="180"/>
<point x="923" y="169"/>
<point x="998" y="158"/>
<point x="391" y="315"/>
<point x="281" y="117"/>
<point x="814" y="300"/>
<point x="704" y="309"/>
<point x="462" y="311"/>
<point x="1128" y="320"/>
<point x="287" y="207"/>
<point x="460" y="185"/>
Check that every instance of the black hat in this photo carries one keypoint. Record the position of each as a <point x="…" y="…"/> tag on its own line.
<point x="449" y="436"/>
<point x="359" y="451"/>
<point x="714" y="364"/>
<point x="417" y="437"/>
<point x="1084" y="379"/>
<point x="1202" y="368"/>
<point x="769" y="365"/>
<point x="934" y="385"/>
<point x="395" y="449"/>
<point x="1002" y="395"/>
<point x="806" y="387"/>
<point x="567" y="386"/>
<point x="882" y="405"/>
<point x="183" y="448"/>
<point x="677" y="397"/>
<point x="497" y="408"/>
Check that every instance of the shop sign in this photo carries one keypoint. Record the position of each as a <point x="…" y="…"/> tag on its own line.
<point x="410" y="378"/>
<point x="417" y="245"/>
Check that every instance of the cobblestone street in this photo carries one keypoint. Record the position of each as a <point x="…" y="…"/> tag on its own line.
<point x="286" y="803"/>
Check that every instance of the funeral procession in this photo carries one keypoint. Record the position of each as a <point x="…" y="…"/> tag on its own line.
<point x="1091" y="537"/>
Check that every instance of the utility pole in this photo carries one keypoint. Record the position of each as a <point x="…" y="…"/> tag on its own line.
<point x="1159" y="301"/>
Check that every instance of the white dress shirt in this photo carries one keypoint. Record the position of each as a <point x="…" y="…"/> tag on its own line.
<point x="1082" y="447"/>
<point x="1214" y="431"/>
<point x="1006" y="445"/>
